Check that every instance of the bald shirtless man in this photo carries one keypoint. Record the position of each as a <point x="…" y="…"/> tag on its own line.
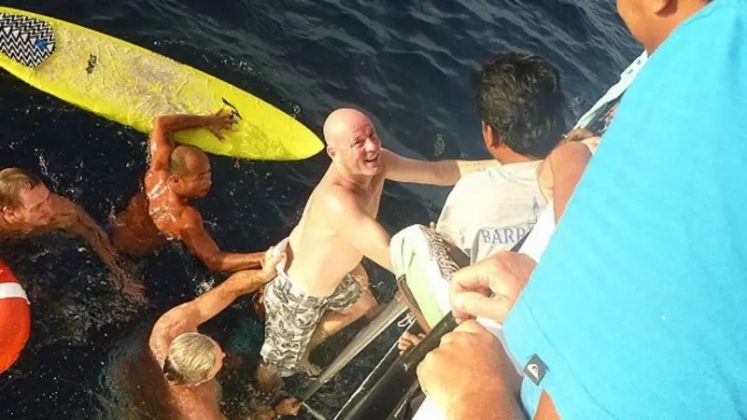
<point x="28" y="208"/>
<point x="189" y="361"/>
<point x="177" y="175"/>
<point x="314" y="286"/>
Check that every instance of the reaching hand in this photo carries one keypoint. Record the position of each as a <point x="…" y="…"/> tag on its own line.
<point x="221" y="120"/>
<point x="490" y="287"/>
<point x="270" y="262"/>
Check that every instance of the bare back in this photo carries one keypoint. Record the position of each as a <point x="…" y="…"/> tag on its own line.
<point x="163" y="208"/>
<point x="322" y="252"/>
<point x="201" y="402"/>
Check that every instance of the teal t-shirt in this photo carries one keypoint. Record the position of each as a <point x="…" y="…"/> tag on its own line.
<point x="638" y="308"/>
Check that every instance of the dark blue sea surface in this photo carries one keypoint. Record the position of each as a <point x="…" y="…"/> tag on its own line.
<point x="406" y="63"/>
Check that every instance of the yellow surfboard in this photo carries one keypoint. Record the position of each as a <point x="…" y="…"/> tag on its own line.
<point x="131" y="85"/>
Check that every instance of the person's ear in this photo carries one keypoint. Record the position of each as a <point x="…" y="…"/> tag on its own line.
<point x="489" y="136"/>
<point x="658" y="7"/>
<point x="7" y="212"/>
<point x="174" y="180"/>
<point x="331" y="152"/>
<point x="486" y="134"/>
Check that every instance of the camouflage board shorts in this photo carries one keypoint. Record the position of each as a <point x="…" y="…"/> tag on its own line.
<point x="292" y="316"/>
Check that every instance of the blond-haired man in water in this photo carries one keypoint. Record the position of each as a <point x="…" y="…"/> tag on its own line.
<point x="315" y="293"/>
<point x="190" y="360"/>
<point x="177" y="175"/>
<point x="28" y="208"/>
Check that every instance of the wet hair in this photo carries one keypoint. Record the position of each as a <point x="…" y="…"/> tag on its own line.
<point x="178" y="159"/>
<point x="190" y="359"/>
<point x="12" y="181"/>
<point x="520" y="97"/>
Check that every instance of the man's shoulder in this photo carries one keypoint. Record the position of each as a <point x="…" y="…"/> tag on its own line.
<point x="64" y="211"/>
<point x="570" y="152"/>
<point x="334" y="199"/>
<point x="187" y="216"/>
<point x="60" y="203"/>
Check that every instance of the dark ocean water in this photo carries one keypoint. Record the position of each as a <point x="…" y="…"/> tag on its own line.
<point x="406" y="63"/>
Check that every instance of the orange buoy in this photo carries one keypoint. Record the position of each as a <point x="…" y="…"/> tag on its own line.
<point x="15" y="318"/>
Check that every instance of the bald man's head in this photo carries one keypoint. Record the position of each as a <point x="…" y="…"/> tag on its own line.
<point x="352" y="142"/>
<point x="185" y="160"/>
<point x="189" y="171"/>
<point x="342" y="123"/>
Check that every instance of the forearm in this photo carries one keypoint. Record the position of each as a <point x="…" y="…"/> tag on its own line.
<point x="467" y="166"/>
<point x="229" y="261"/>
<point x="183" y="122"/>
<point x="442" y="173"/>
<point x="216" y="300"/>
<point x="100" y="244"/>
<point x="234" y="286"/>
<point x="450" y="171"/>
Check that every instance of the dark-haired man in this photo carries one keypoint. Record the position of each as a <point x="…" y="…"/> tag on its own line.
<point x="177" y="175"/>
<point x="28" y="208"/>
<point x="520" y="102"/>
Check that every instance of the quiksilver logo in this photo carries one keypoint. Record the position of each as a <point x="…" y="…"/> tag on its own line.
<point x="535" y="369"/>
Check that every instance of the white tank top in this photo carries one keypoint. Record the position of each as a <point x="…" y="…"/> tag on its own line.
<point x="490" y="210"/>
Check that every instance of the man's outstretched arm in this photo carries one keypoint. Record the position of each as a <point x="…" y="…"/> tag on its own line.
<point x="443" y="172"/>
<point x="79" y="223"/>
<point x="211" y="303"/>
<point x="189" y="315"/>
<point x="202" y="245"/>
<point x="164" y="126"/>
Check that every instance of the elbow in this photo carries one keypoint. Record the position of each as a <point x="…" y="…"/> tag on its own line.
<point x="163" y="122"/>
<point x="451" y="181"/>
<point x="449" y="176"/>
<point x="159" y="121"/>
